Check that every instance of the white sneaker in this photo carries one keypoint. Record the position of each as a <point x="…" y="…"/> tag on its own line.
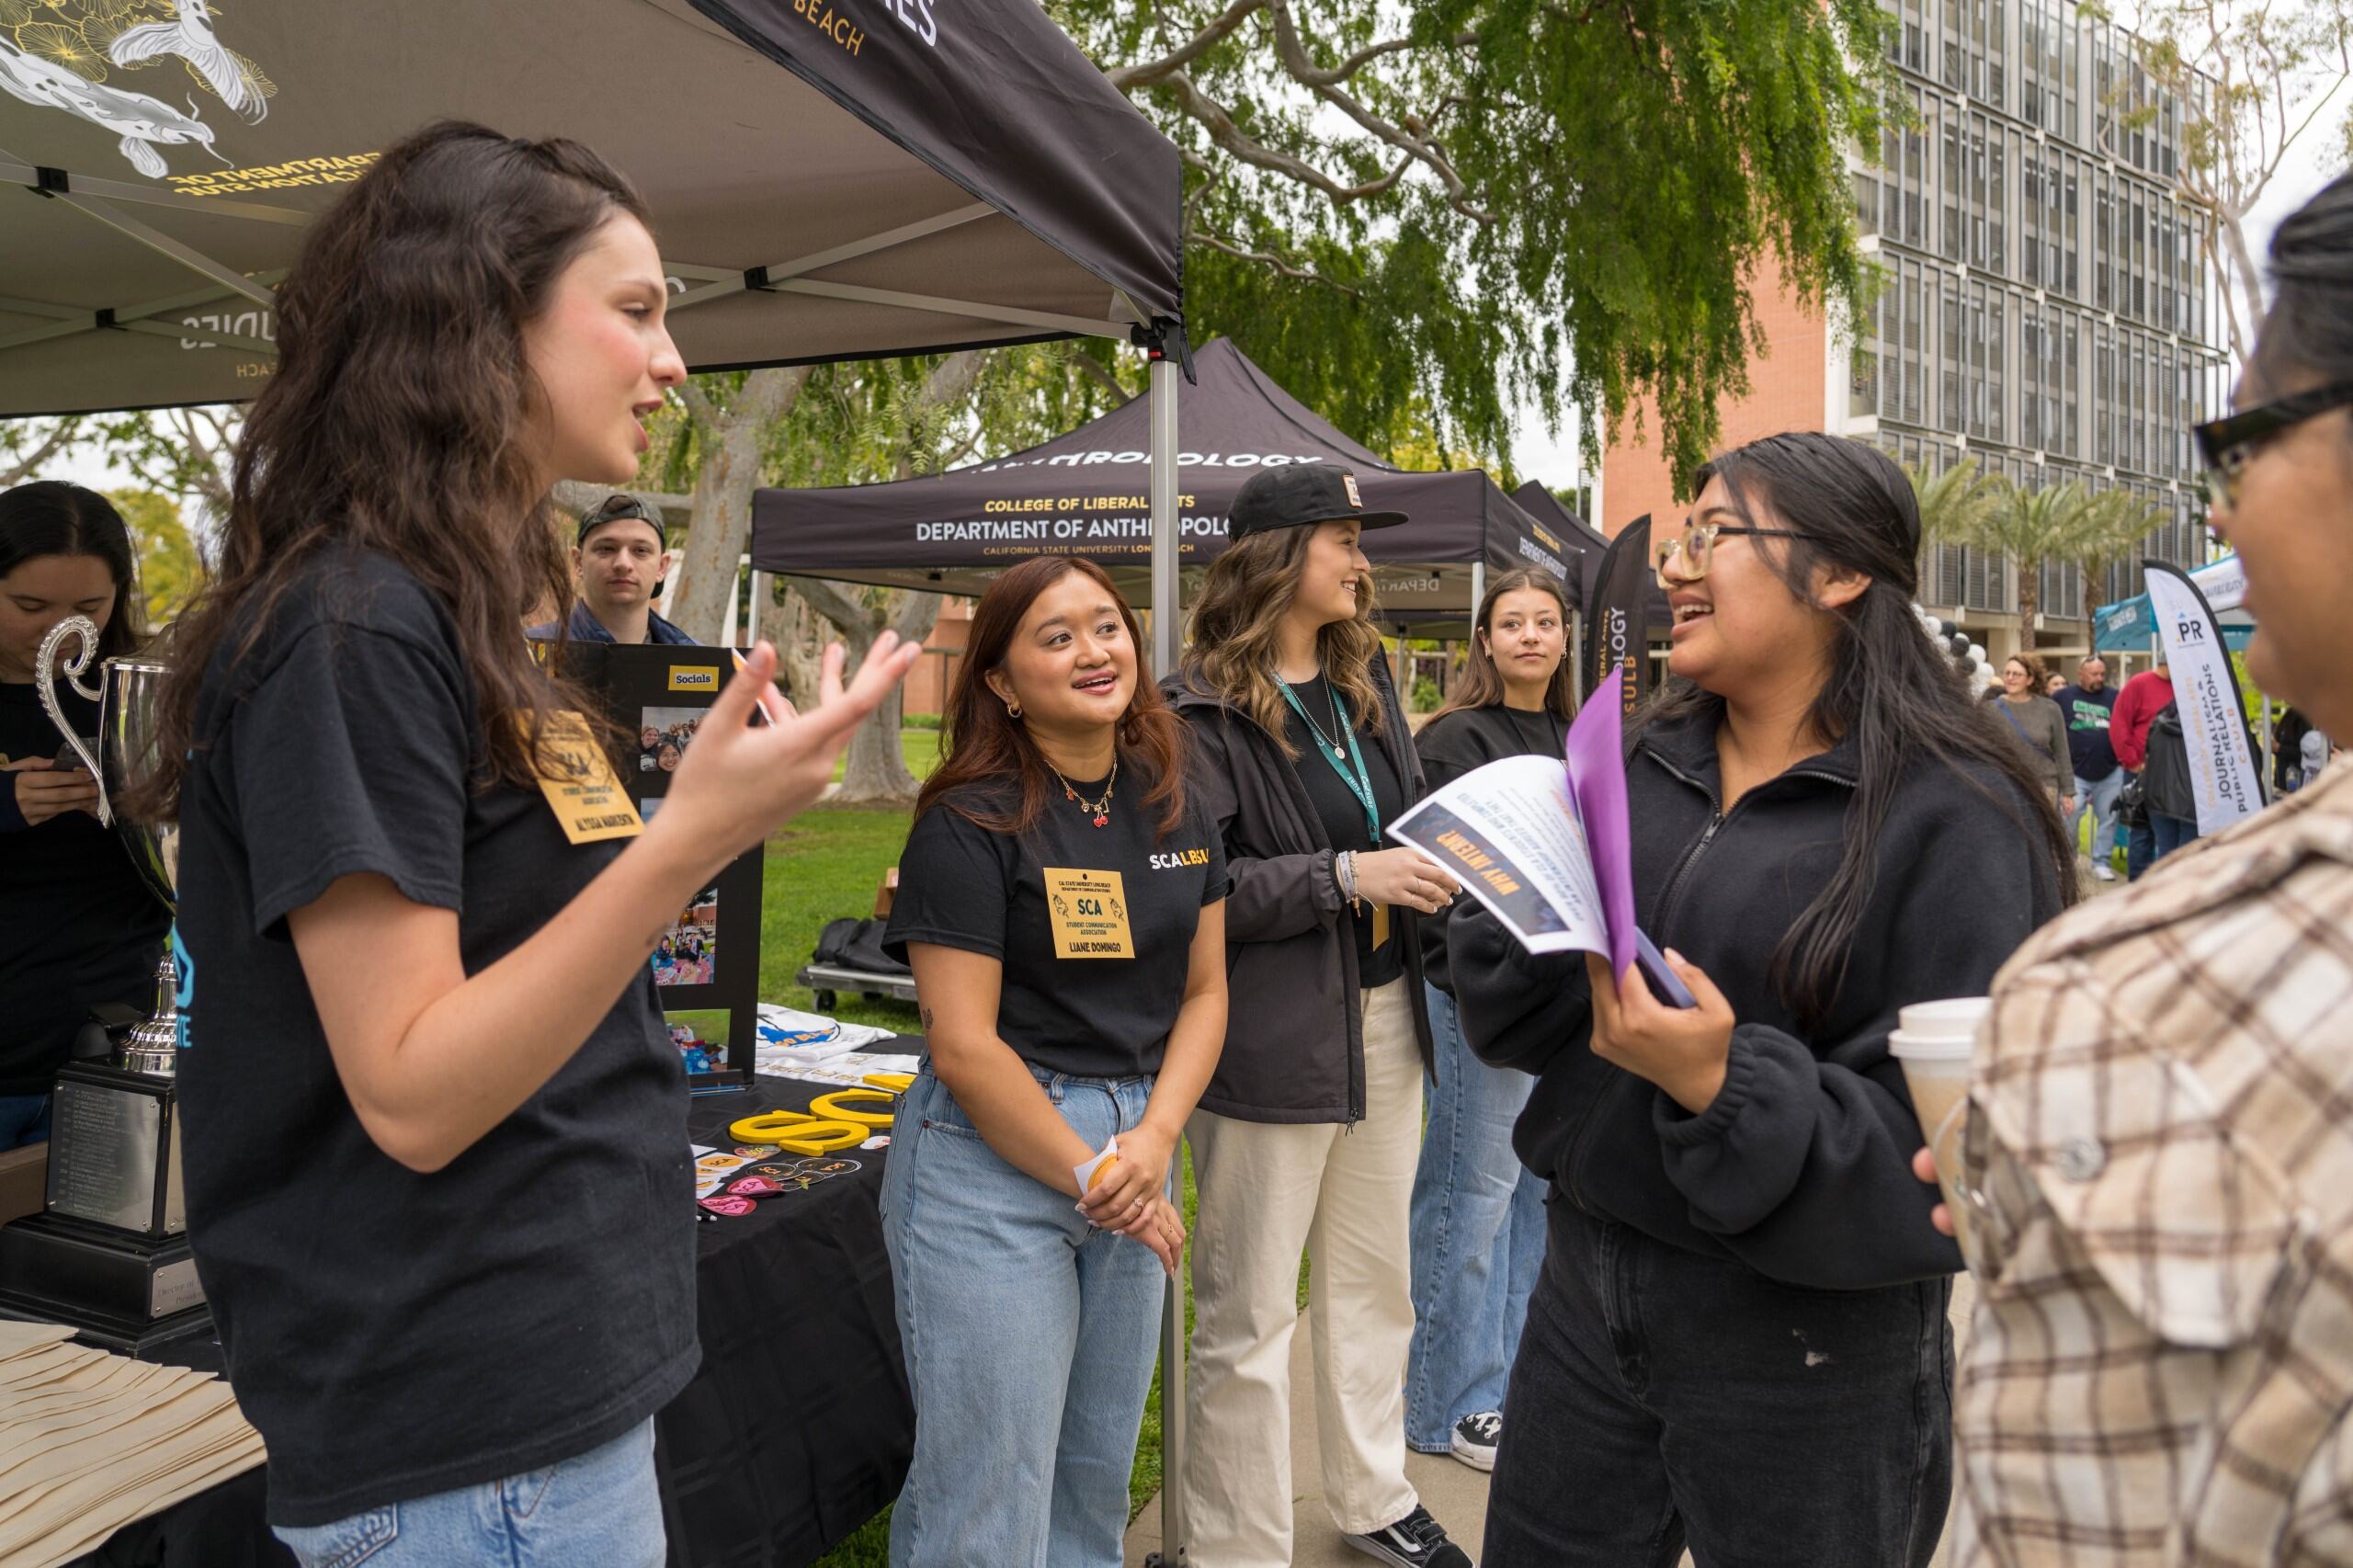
<point x="1475" y="1437"/>
<point x="2103" y="871"/>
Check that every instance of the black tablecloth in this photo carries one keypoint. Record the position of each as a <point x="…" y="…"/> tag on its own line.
<point x="797" y="1430"/>
<point x="800" y="1427"/>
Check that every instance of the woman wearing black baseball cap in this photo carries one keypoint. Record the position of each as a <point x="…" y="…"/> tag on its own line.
<point x="1308" y="1134"/>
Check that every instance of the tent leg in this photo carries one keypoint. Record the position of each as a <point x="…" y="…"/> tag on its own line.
<point x="760" y="595"/>
<point x="1168" y="615"/>
<point x="1477" y="593"/>
<point x="1167" y="630"/>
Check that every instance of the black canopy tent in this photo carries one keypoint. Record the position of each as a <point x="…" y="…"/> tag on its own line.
<point x="829" y="179"/>
<point x="1082" y="494"/>
<point x="1539" y="502"/>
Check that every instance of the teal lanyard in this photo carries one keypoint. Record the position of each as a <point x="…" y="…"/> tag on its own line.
<point x="1352" y="770"/>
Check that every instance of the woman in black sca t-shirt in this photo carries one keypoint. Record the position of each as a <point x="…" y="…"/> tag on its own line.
<point x="77" y="925"/>
<point x="438" y="1174"/>
<point x="1061" y="904"/>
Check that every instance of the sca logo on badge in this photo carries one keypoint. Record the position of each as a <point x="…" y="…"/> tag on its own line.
<point x="695" y="679"/>
<point x="1180" y="860"/>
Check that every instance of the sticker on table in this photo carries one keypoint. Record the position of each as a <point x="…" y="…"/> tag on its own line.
<point x="733" y="1207"/>
<point x="712" y="1164"/>
<point x="1089" y="911"/>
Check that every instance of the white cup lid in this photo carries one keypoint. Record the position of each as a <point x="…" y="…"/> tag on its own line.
<point x="1945" y="1030"/>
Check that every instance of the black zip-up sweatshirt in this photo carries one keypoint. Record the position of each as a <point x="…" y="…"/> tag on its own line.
<point x="1801" y="1166"/>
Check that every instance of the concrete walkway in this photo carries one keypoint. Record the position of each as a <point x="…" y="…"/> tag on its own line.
<point x="1453" y="1493"/>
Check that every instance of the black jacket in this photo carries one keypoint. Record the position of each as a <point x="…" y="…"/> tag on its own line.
<point x="1294" y="1047"/>
<point x="1802" y="1167"/>
<point x="2166" y="769"/>
<point x="1462" y="742"/>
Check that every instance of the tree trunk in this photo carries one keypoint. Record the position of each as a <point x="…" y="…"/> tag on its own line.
<point x="735" y="440"/>
<point x="2030" y="602"/>
<point x="876" y="771"/>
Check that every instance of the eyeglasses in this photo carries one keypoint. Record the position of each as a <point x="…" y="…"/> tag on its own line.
<point x="1696" y="546"/>
<point x="2227" y="445"/>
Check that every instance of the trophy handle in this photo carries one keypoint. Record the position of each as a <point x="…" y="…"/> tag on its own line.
<point x="46" y="664"/>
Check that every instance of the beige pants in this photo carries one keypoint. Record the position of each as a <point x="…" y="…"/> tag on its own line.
<point x="1341" y="1193"/>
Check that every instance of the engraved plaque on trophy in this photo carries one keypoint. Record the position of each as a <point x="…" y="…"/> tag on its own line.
<point x="110" y="1255"/>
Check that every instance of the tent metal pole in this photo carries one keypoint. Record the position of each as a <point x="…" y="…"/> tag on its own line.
<point x="761" y="595"/>
<point x="1168" y="615"/>
<point x="1167" y="620"/>
<point x="1477" y="593"/>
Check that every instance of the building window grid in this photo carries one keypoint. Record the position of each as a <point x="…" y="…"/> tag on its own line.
<point x="2146" y="390"/>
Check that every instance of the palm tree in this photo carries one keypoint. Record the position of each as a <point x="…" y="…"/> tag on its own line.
<point x="2116" y="526"/>
<point x="1951" y="501"/>
<point x="2030" y="526"/>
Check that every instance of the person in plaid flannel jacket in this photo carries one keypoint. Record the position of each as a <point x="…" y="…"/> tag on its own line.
<point x="2160" y="1165"/>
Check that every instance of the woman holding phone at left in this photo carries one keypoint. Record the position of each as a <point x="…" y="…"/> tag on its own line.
<point x="435" y="1152"/>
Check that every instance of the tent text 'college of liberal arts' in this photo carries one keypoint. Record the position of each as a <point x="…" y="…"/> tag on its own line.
<point x="1084" y="493"/>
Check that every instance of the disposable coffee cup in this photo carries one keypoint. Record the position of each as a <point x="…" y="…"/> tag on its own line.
<point x="1935" y="1040"/>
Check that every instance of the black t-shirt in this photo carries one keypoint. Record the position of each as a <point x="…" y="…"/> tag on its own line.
<point x="77" y="926"/>
<point x="1341" y="814"/>
<point x="1037" y="901"/>
<point x="395" y="1333"/>
<point x="1459" y="743"/>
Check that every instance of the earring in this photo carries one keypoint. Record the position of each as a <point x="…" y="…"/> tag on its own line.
<point x="1013" y="710"/>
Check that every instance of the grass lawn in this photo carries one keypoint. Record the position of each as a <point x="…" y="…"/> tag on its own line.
<point x="825" y="865"/>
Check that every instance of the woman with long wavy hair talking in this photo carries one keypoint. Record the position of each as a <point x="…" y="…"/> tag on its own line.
<point x="1061" y="903"/>
<point x="1307" y="1137"/>
<point x="435" y="1148"/>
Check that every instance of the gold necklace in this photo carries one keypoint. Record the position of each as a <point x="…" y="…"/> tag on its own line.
<point x="1099" y="809"/>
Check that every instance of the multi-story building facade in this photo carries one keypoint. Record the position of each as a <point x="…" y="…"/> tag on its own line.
<point x="2047" y="310"/>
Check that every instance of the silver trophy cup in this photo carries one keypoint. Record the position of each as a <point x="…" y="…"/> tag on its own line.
<point x="127" y="693"/>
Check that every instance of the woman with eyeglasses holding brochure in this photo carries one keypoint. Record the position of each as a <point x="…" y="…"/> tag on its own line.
<point x="439" y="1181"/>
<point x="1739" y="1340"/>
<point x="1062" y="902"/>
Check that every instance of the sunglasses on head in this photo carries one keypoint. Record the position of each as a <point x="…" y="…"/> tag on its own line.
<point x="2227" y="445"/>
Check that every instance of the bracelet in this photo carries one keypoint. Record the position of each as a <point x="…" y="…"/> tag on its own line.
<point x="1344" y="868"/>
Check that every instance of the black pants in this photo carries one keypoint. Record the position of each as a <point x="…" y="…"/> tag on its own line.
<point x="1662" y="1398"/>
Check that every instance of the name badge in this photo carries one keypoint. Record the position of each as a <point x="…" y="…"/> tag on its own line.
<point x="582" y="787"/>
<point x="1380" y="927"/>
<point x="1089" y="911"/>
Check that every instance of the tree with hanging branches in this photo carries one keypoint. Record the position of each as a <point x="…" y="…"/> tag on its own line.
<point x="1490" y="202"/>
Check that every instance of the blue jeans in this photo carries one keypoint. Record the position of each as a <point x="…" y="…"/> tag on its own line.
<point x="2100" y="801"/>
<point x="24" y="1119"/>
<point x="1478" y="1238"/>
<point x="2170" y="833"/>
<point x="2158" y="836"/>
<point x="601" y="1509"/>
<point x="1029" y="1339"/>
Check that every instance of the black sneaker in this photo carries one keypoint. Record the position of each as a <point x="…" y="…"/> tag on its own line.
<point x="1414" y="1542"/>
<point x="1475" y="1436"/>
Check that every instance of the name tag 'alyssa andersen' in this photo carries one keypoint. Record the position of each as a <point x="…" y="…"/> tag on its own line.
<point x="1089" y="914"/>
<point x="580" y="784"/>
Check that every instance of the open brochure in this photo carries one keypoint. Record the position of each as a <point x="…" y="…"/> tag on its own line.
<point x="1542" y="843"/>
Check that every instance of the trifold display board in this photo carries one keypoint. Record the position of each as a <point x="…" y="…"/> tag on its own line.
<point x="708" y="967"/>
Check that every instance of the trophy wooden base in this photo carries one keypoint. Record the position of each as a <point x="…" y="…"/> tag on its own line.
<point x="125" y="1293"/>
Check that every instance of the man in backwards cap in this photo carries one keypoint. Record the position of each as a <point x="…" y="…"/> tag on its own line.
<point x="621" y="559"/>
